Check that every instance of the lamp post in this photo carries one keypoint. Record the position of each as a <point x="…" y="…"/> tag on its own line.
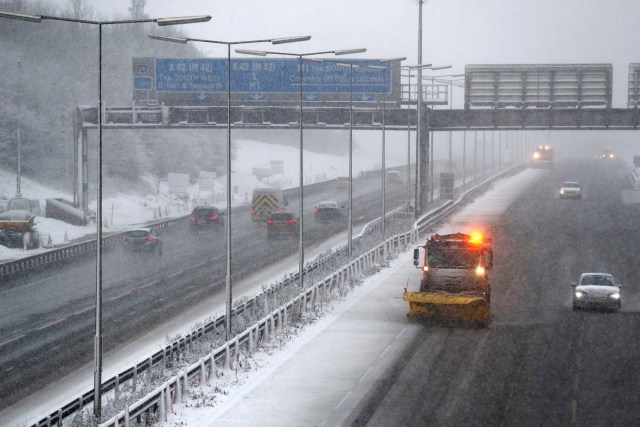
<point x="275" y="41"/>
<point x="97" y="378"/>
<point x="384" y="108"/>
<point x="300" y="57"/>
<point x="19" y="169"/>
<point x="409" y="75"/>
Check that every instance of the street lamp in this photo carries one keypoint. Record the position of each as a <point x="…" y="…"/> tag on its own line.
<point x="409" y="75"/>
<point x="384" y="108"/>
<point x="431" y="142"/>
<point x="97" y="378"/>
<point x="184" y="40"/>
<point x="300" y="57"/>
<point x="19" y="171"/>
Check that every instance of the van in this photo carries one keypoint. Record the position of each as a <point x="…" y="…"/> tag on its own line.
<point x="266" y="201"/>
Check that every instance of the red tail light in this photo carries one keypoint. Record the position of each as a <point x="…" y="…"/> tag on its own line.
<point x="291" y="221"/>
<point x="149" y="238"/>
<point x="213" y="217"/>
<point x="251" y="210"/>
<point x="317" y="211"/>
<point x="192" y="218"/>
<point x="123" y="238"/>
<point x="270" y="222"/>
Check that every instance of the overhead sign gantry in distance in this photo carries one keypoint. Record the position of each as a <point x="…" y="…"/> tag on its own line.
<point x="203" y="81"/>
<point x="634" y="86"/>
<point x="538" y="86"/>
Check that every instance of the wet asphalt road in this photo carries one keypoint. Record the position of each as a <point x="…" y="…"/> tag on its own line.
<point x="539" y="362"/>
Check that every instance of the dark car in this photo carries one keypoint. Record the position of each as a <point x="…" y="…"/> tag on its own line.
<point x="142" y="240"/>
<point x="206" y="218"/>
<point x="282" y="225"/>
<point x="328" y="211"/>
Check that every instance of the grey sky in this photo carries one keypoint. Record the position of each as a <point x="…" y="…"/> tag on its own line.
<point x="456" y="32"/>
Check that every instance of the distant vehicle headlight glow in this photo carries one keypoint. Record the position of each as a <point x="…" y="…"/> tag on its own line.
<point x="480" y="270"/>
<point x="536" y="155"/>
<point x="425" y="268"/>
<point x="611" y="156"/>
<point x="615" y="296"/>
<point x="561" y="191"/>
<point x="579" y="294"/>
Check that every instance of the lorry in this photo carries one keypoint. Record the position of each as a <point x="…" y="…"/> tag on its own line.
<point x="17" y="229"/>
<point x="266" y="201"/>
<point x="542" y="157"/>
<point x="455" y="279"/>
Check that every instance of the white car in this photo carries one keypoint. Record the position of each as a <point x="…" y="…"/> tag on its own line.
<point x="570" y="189"/>
<point x="598" y="290"/>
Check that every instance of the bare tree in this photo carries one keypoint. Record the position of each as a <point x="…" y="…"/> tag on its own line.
<point x="79" y="9"/>
<point x="136" y="10"/>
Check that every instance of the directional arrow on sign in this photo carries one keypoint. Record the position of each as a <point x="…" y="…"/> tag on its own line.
<point x="311" y="97"/>
<point x="365" y="97"/>
<point x="202" y="96"/>
<point x="256" y="97"/>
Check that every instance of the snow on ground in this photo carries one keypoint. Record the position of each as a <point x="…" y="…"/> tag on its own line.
<point x="123" y="210"/>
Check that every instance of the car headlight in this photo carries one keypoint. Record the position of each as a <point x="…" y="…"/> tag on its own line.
<point x="615" y="296"/>
<point x="561" y="191"/>
<point x="579" y="294"/>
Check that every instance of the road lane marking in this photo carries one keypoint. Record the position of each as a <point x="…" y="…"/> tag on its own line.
<point x="384" y="352"/>
<point x="51" y="324"/>
<point x="367" y="372"/>
<point x="344" y="399"/>
<point x="574" y="410"/>
<point x="81" y="312"/>
<point x="11" y="340"/>
<point x="401" y="333"/>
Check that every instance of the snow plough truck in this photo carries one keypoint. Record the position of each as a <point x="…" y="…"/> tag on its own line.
<point x="455" y="279"/>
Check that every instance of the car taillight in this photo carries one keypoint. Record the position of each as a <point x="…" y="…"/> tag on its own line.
<point x="192" y="218"/>
<point x="149" y="238"/>
<point x="213" y="217"/>
<point x="316" y="211"/>
<point x="270" y="222"/>
<point x="291" y="221"/>
<point x="123" y="238"/>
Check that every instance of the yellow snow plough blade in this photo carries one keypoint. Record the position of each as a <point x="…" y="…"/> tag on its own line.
<point x="465" y="308"/>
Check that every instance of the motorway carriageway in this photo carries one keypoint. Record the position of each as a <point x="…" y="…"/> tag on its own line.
<point x="538" y="363"/>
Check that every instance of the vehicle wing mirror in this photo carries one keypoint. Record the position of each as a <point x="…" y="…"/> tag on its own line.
<point x="416" y="256"/>
<point x="619" y="285"/>
<point x="574" y="284"/>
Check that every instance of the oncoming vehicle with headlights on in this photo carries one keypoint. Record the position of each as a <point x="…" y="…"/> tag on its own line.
<point x="596" y="290"/>
<point x="570" y="189"/>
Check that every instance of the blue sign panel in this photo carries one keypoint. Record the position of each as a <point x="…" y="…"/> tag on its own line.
<point x="257" y="76"/>
<point x="142" y="83"/>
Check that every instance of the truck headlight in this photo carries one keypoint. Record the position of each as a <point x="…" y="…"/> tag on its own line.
<point x="579" y="294"/>
<point x="536" y="155"/>
<point x="480" y="270"/>
<point x="615" y="296"/>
